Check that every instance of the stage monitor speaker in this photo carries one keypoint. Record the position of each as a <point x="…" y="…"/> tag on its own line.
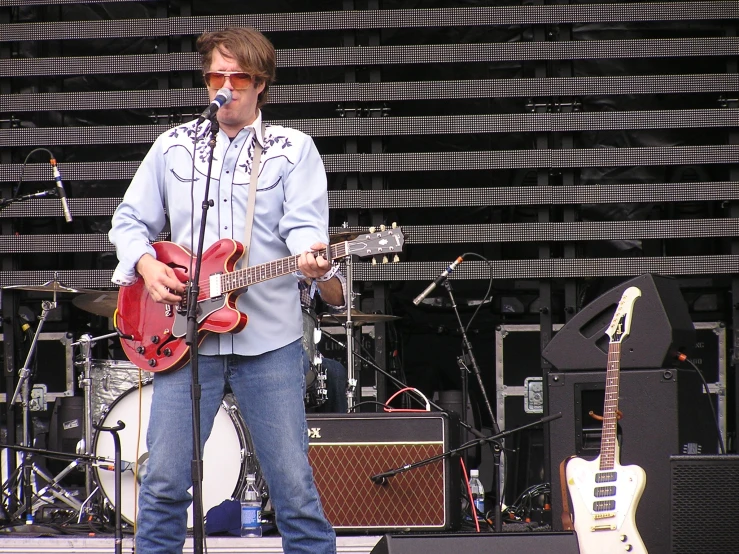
<point x="704" y="506"/>
<point x="479" y="543"/>
<point x="665" y="413"/>
<point x="661" y="328"/>
<point x="345" y="450"/>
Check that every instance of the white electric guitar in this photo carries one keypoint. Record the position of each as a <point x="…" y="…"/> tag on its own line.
<point x="605" y="494"/>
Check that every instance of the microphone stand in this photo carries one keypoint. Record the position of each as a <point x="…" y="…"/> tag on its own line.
<point x="475" y="368"/>
<point x="192" y="295"/>
<point x="467" y="353"/>
<point x="43" y="194"/>
<point x="382" y="478"/>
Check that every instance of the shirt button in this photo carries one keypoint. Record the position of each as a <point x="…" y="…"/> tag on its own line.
<point x="226" y="227"/>
<point x="225" y="199"/>
<point x="227" y="171"/>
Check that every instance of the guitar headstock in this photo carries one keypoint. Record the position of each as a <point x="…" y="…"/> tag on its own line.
<point x="386" y="242"/>
<point x="620" y="325"/>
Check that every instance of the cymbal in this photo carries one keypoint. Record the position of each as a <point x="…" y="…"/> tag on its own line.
<point x="341" y="237"/>
<point x="358" y="318"/>
<point x="99" y="303"/>
<point x="51" y="286"/>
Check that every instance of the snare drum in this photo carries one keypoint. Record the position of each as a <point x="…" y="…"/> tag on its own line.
<point x="224" y="473"/>
<point x="110" y="379"/>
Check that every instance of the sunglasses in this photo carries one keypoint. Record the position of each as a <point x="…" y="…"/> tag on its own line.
<point x="239" y="81"/>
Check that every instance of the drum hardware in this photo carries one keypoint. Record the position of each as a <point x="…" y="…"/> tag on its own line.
<point x="358" y="318"/>
<point x="85" y="382"/>
<point x="28" y="469"/>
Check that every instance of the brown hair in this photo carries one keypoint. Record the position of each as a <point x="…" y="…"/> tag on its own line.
<point x="254" y="53"/>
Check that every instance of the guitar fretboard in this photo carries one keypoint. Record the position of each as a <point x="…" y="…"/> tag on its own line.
<point x="610" y="408"/>
<point x="256" y="274"/>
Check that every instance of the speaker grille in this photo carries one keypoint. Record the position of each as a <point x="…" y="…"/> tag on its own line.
<point x="414" y="498"/>
<point x="705" y="504"/>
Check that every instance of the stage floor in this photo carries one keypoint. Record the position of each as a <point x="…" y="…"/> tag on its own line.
<point x="18" y="544"/>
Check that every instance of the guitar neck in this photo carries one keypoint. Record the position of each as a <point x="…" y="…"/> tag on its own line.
<point x="264" y="272"/>
<point x="608" y="441"/>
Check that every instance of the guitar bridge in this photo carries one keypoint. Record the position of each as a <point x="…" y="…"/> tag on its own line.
<point x="603" y="528"/>
<point x="603" y="516"/>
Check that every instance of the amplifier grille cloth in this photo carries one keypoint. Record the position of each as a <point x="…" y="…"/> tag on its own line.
<point x="414" y="498"/>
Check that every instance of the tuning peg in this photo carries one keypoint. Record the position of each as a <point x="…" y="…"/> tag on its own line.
<point x="374" y="260"/>
<point x="395" y="225"/>
<point x="384" y="259"/>
<point x="396" y="259"/>
<point x="371" y="229"/>
<point x="382" y="227"/>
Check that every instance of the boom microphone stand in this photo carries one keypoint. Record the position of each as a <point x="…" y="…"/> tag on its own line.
<point x="382" y="478"/>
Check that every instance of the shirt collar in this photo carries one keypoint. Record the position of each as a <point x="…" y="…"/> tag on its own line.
<point x="256" y="126"/>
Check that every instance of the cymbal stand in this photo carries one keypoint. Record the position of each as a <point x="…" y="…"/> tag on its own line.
<point x="351" y="381"/>
<point x="28" y="468"/>
<point x="85" y="382"/>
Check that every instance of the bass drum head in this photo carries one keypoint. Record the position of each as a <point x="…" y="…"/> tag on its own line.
<point x="223" y="476"/>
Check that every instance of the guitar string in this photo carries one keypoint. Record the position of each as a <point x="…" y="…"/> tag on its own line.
<point x="271" y="270"/>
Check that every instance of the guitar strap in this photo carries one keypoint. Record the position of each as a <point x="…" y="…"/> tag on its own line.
<point x="252" y="200"/>
<point x="566" y="514"/>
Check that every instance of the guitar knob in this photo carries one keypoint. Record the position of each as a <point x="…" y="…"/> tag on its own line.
<point x="628" y="548"/>
<point x="167" y="352"/>
<point x="140" y="349"/>
<point x="622" y="538"/>
<point x="152" y="362"/>
<point x="155" y="339"/>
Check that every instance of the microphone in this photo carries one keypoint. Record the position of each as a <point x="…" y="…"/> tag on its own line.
<point x="439" y="280"/>
<point x="223" y="97"/>
<point x="60" y="190"/>
<point x="379" y="480"/>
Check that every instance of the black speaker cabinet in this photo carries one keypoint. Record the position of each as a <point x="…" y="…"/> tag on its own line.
<point x="661" y="328"/>
<point x="705" y="510"/>
<point x="345" y="450"/>
<point x="665" y="413"/>
<point x="479" y="543"/>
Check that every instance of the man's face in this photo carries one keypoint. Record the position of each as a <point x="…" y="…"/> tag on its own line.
<point x="242" y="110"/>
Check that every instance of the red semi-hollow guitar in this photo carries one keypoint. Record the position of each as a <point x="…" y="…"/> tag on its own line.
<point x="154" y="333"/>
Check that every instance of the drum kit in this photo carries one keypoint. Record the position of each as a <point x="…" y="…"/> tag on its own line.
<point x="116" y="392"/>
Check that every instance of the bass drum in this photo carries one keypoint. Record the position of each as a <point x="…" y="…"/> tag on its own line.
<point x="226" y="451"/>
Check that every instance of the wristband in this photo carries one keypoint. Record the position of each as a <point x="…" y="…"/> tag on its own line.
<point x="328" y="275"/>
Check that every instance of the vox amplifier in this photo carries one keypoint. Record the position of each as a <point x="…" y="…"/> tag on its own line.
<point x="347" y="449"/>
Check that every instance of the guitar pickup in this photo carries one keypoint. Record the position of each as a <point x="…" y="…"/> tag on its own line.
<point x="604" y="505"/>
<point x="606" y="477"/>
<point x="600" y="492"/>
<point x="216" y="289"/>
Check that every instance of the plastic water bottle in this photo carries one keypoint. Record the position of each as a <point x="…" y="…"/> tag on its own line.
<point x="251" y="509"/>
<point x="478" y="492"/>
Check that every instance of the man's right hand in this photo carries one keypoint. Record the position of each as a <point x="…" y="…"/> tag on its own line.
<point x="160" y="280"/>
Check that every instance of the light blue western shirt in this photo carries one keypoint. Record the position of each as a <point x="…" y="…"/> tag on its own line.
<point x="291" y="214"/>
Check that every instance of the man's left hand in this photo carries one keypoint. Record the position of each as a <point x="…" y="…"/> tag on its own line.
<point x="312" y="265"/>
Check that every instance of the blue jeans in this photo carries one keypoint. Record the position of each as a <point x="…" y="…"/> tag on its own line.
<point x="269" y="389"/>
